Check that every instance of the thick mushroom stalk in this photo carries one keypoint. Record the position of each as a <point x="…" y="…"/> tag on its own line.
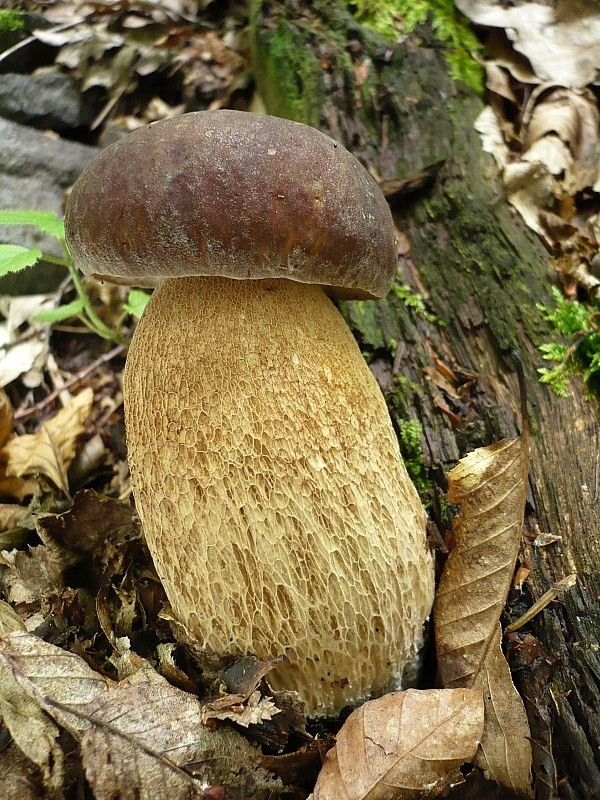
<point x="263" y="461"/>
<point x="270" y="486"/>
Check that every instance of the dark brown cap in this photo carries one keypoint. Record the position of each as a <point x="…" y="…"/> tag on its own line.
<point x="233" y="194"/>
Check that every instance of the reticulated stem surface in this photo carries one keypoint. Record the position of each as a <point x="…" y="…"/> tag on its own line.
<point x="270" y="486"/>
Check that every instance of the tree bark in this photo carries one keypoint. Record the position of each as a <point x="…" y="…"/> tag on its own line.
<point x="482" y="273"/>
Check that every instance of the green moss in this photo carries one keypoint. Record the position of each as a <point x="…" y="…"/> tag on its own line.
<point x="375" y="323"/>
<point x="410" y="437"/>
<point x="451" y="29"/>
<point x="288" y="72"/>
<point x="11" y="21"/>
<point x="403" y="384"/>
<point x="414" y="301"/>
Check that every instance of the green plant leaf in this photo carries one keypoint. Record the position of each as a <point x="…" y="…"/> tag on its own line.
<point x="554" y="351"/>
<point x="557" y="379"/>
<point x="593" y="367"/>
<point x="61" y="313"/>
<point x="45" y="221"/>
<point x="136" y="302"/>
<point x="14" y="258"/>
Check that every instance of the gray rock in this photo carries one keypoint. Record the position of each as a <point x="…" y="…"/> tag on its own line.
<point x="35" y="171"/>
<point x="49" y="100"/>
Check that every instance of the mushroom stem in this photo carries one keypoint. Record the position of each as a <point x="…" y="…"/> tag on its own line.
<point x="271" y="488"/>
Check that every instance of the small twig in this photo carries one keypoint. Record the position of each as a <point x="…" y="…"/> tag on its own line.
<point x="20" y="416"/>
<point x="540" y="605"/>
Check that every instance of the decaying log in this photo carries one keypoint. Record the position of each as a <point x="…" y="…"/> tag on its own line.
<point x="481" y="272"/>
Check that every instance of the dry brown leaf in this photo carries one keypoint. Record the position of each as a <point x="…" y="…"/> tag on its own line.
<point x="561" y="40"/>
<point x="168" y="668"/>
<point x="6" y="417"/>
<point x="558" y="160"/>
<point x="490" y="486"/>
<point x="31" y="728"/>
<point x="505" y="751"/>
<point x="404" y="745"/>
<point x="51" y="449"/>
<point x="250" y="711"/>
<point x="240" y="700"/>
<point x="573" y="116"/>
<point x="500" y="52"/>
<point x="36" y="454"/>
<point x="143" y="732"/>
<point x="498" y="81"/>
<point x="10" y="621"/>
<point x="114" y="762"/>
<point x="35" y="574"/>
<point x="135" y="736"/>
<point x="23" y="352"/>
<point x="11" y="515"/>
<point x="127" y="663"/>
<point x="43" y="671"/>
<point x="19" y="488"/>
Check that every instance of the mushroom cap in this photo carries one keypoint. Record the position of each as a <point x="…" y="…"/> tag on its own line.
<point x="232" y="194"/>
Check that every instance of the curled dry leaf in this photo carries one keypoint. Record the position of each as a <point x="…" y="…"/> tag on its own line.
<point x="242" y="702"/>
<point x="51" y="449"/>
<point x="403" y="745"/>
<point x="23" y="352"/>
<point x="490" y="487"/>
<point x="561" y="40"/>
<point x="548" y="160"/>
<point x="250" y="711"/>
<point x="34" y="575"/>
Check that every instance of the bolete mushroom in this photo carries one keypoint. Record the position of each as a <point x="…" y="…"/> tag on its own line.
<point x="264" y="464"/>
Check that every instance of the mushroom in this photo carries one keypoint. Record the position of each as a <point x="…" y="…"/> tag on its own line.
<point x="264" y="464"/>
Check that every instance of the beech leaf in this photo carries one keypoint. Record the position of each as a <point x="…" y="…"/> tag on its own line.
<point x="561" y="41"/>
<point x="404" y="745"/>
<point x="31" y="728"/>
<point x="43" y="671"/>
<point x="505" y="753"/>
<point x="10" y="621"/>
<point x="145" y="731"/>
<point x="490" y="485"/>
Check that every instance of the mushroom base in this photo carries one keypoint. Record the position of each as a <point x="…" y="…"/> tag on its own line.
<point x="271" y="489"/>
